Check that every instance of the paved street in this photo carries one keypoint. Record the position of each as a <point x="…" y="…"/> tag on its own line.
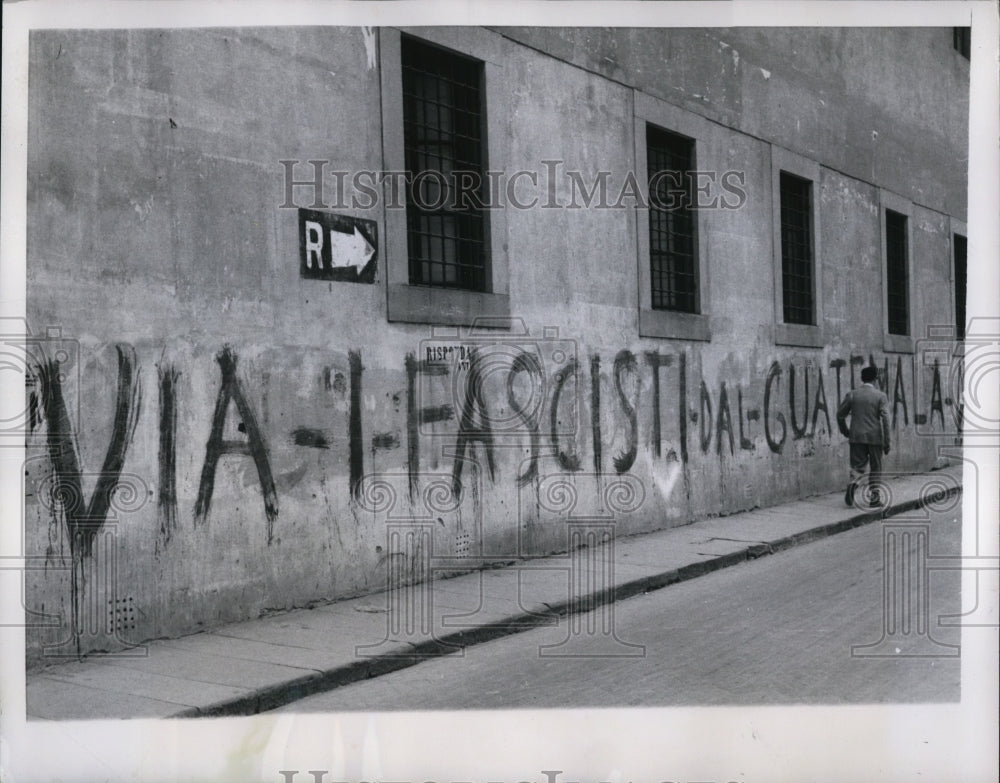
<point x="777" y="630"/>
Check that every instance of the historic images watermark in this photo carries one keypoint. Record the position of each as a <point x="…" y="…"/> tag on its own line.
<point x="514" y="392"/>
<point x="84" y="547"/>
<point x="908" y="569"/>
<point x="549" y="186"/>
<point x="80" y="510"/>
<point x="963" y="378"/>
<point x="423" y="542"/>
<point x="30" y="355"/>
<point x="958" y="371"/>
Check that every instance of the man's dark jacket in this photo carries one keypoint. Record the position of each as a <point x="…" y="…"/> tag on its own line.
<point x="869" y="411"/>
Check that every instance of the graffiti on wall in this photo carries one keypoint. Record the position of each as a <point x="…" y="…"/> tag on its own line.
<point x="85" y="519"/>
<point x="472" y="405"/>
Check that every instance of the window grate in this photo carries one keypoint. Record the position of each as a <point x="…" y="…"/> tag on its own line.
<point x="796" y="249"/>
<point x="896" y="272"/>
<point x="443" y="133"/>
<point x="672" y="221"/>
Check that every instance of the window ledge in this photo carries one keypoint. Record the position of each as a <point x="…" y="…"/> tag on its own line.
<point x="444" y="306"/>
<point x="673" y="325"/>
<point x="897" y="343"/>
<point x="799" y="335"/>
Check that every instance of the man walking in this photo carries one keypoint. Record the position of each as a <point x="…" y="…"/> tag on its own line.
<point x="868" y="409"/>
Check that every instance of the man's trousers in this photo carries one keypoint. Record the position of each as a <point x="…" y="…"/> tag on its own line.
<point x="863" y="454"/>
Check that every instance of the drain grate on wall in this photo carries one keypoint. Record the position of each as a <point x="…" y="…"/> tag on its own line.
<point x="463" y="544"/>
<point x="121" y="615"/>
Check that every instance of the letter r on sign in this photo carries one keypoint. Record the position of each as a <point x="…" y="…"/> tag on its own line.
<point x="314" y="244"/>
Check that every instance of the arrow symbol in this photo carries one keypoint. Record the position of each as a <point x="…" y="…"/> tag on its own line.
<point x="350" y="250"/>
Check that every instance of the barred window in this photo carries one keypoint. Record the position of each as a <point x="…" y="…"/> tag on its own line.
<point x="444" y="140"/>
<point x="896" y="272"/>
<point x="672" y="221"/>
<point x="961" y="272"/>
<point x="796" y="249"/>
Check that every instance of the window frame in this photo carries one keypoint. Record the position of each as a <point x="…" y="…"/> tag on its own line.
<point x="690" y="165"/>
<point x="669" y="324"/>
<point x="449" y="229"/>
<point x="897" y="343"/>
<point x="895" y="288"/>
<point x="799" y="335"/>
<point x="958" y="228"/>
<point x="429" y="304"/>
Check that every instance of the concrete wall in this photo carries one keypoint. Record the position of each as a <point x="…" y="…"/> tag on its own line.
<point x="265" y="426"/>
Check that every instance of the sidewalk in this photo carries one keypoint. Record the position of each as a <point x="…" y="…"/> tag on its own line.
<point x="249" y="667"/>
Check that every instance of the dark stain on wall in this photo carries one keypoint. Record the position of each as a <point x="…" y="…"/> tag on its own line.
<point x="231" y="390"/>
<point x="127" y="404"/>
<point x="656" y="360"/>
<point x="384" y="441"/>
<point x="435" y="413"/>
<point x="724" y="422"/>
<point x="356" y="453"/>
<point x="797" y="431"/>
<point x="626" y="364"/>
<point x="310" y="437"/>
<point x="936" y="402"/>
<point x="819" y="404"/>
<point x="412" y="426"/>
<point x="899" y="394"/>
<point x="595" y="409"/>
<point x="84" y="524"/>
<point x="682" y="405"/>
<point x="568" y="462"/>
<point x="416" y="416"/>
<point x="773" y="375"/>
<point x="34" y="415"/>
<point x="752" y="415"/>
<point x="334" y="381"/>
<point x="530" y="364"/>
<point x="882" y="382"/>
<point x="838" y="365"/>
<point x="705" y="418"/>
<point x="474" y="425"/>
<point x="166" y="500"/>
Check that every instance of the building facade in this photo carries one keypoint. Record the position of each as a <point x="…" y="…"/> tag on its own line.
<point x="630" y="277"/>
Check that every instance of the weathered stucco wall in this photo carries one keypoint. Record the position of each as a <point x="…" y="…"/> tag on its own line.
<point x="882" y="105"/>
<point x="262" y="422"/>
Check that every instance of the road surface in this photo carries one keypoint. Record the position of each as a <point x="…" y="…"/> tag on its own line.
<point x="776" y="630"/>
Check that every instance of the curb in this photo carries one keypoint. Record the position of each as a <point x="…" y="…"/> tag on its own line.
<point x="274" y="696"/>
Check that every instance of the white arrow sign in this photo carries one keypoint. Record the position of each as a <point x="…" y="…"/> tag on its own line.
<point x="346" y="250"/>
<point x="350" y="250"/>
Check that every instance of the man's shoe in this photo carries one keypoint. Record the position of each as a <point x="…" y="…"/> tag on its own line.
<point x="849" y="495"/>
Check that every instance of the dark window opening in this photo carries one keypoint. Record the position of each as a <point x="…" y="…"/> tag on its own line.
<point x="796" y="249"/>
<point x="673" y="240"/>
<point x="444" y="138"/>
<point x="961" y="280"/>
<point x="961" y="39"/>
<point x="896" y="272"/>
